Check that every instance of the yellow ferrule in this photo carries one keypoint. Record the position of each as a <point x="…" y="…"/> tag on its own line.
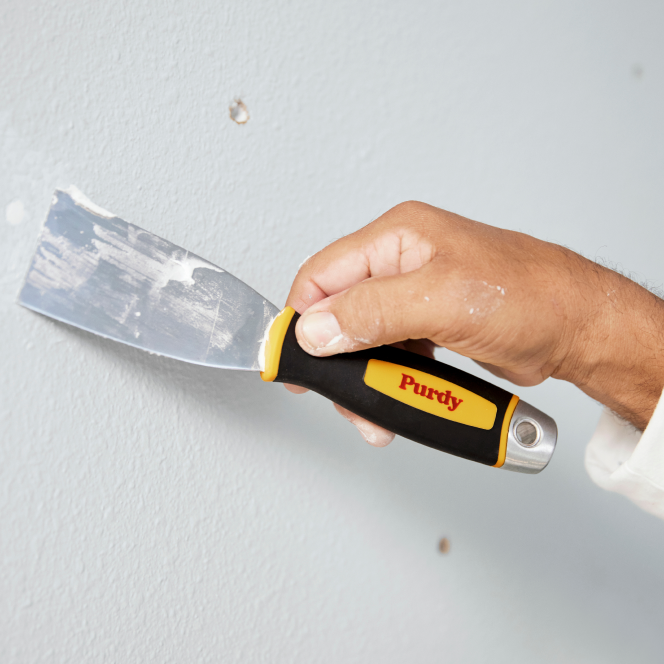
<point x="505" y="430"/>
<point x="275" y="342"/>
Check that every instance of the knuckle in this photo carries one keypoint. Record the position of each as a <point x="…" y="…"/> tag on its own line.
<point x="422" y="222"/>
<point x="402" y="215"/>
<point x="412" y="213"/>
<point x="410" y="207"/>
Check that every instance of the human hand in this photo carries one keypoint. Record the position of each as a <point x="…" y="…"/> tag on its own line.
<point x="523" y="308"/>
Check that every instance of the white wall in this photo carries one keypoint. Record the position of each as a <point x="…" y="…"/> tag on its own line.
<point x="152" y="511"/>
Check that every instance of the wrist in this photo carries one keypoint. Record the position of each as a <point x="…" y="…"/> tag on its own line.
<point x="616" y="344"/>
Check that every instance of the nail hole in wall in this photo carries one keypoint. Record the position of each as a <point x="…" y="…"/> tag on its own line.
<point x="444" y="545"/>
<point x="239" y="112"/>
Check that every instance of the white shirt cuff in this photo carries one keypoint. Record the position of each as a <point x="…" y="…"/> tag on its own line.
<point x="621" y="459"/>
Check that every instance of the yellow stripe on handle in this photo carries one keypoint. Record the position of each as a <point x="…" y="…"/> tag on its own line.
<point x="505" y="430"/>
<point x="275" y="342"/>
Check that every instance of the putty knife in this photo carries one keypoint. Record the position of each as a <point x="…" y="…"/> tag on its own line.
<point x="102" y="274"/>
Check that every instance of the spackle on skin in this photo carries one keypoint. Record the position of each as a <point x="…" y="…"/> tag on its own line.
<point x="367" y="433"/>
<point x="426" y="298"/>
<point x="482" y="298"/>
<point x="299" y="267"/>
<point x="333" y="341"/>
<point x="373" y="436"/>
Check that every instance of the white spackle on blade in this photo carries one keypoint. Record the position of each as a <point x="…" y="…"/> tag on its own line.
<point x="184" y="270"/>
<point x="261" y="351"/>
<point x="131" y="303"/>
<point x="81" y="199"/>
<point x="60" y="264"/>
<point x="113" y="250"/>
<point x="65" y="266"/>
<point x="263" y="346"/>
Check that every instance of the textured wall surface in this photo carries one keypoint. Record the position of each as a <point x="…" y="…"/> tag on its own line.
<point x="152" y="511"/>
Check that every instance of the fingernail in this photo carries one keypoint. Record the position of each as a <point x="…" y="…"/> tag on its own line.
<point x="321" y="330"/>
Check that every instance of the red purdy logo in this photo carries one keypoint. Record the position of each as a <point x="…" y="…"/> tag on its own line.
<point x="444" y="398"/>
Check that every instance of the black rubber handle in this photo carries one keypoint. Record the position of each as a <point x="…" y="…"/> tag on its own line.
<point x="341" y="378"/>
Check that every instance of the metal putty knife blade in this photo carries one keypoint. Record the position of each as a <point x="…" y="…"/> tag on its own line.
<point x="95" y="271"/>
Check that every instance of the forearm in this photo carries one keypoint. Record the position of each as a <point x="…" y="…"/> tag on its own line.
<point x="618" y="341"/>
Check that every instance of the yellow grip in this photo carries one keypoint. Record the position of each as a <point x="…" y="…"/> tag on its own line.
<point x="431" y="394"/>
<point x="439" y="397"/>
<point x="275" y="342"/>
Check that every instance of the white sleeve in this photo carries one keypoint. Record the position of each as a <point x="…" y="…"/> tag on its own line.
<point x="621" y="459"/>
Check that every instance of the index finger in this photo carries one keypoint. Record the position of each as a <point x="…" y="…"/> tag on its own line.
<point x="373" y="251"/>
<point x="332" y="270"/>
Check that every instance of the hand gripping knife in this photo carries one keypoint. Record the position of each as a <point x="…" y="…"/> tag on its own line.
<point x="93" y="270"/>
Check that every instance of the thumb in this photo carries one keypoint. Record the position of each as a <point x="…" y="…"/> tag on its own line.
<point x="375" y="312"/>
